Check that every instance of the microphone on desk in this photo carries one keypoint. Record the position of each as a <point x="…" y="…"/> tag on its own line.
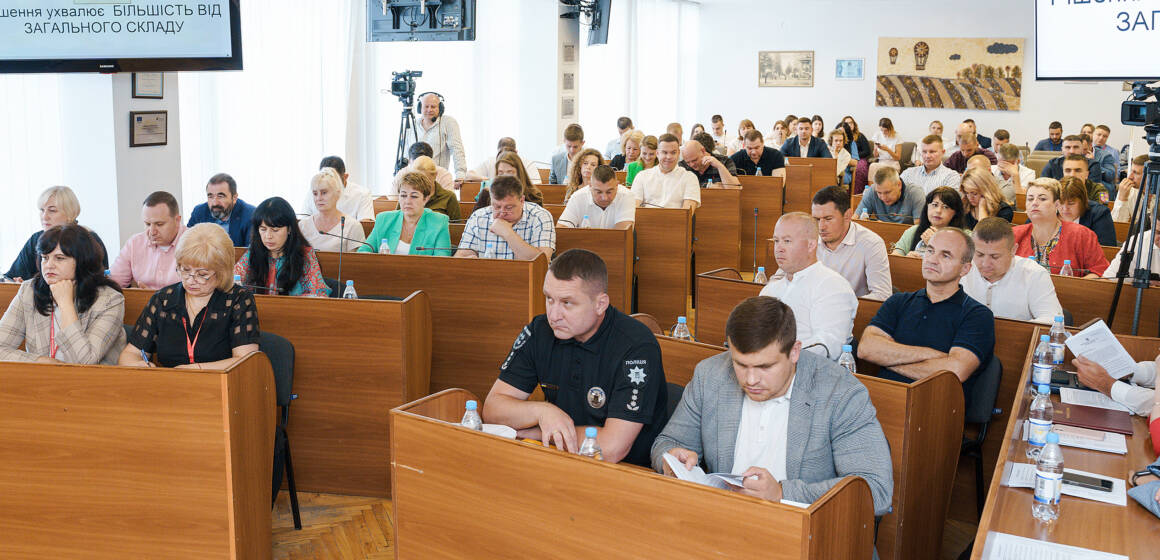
<point x="264" y="289"/>
<point x="452" y="248"/>
<point x="755" y="238"/>
<point x="647" y="203"/>
<point x="349" y="239"/>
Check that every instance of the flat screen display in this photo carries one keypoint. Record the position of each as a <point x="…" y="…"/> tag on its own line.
<point x="1097" y="40"/>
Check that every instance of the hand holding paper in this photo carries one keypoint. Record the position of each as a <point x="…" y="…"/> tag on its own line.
<point x="1098" y="344"/>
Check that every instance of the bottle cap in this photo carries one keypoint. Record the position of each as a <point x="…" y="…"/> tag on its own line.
<point x="847" y="348"/>
<point x="1043" y="338"/>
<point x="237" y="278"/>
<point x="471" y="405"/>
<point x="681" y="320"/>
<point x="350" y="282"/>
<point x="1059" y="318"/>
<point x="585" y="216"/>
<point x="589" y="432"/>
<point x="761" y="269"/>
<point x="1067" y="261"/>
<point x="1052" y="437"/>
<point x="1044" y="389"/>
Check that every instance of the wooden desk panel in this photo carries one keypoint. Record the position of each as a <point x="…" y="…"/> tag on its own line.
<point x="556" y="210"/>
<point x="621" y="177"/>
<point x="615" y="246"/>
<point x="888" y="231"/>
<point x="663" y="244"/>
<point x="545" y="175"/>
<point x="718" y="292"/>
<point x="368" y="226"/>
<point x="761" y="198"/>
<point x="717" y="230"/>
<point x="509" y="479"/>
<point x="823" y="173"/>
<point x="111" y="462"/>
<point x="553" y="194"/>
<point x="797" y="189"/>
<point x="384" y="204"/>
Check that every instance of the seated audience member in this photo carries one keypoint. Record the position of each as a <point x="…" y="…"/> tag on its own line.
<point x="968" y="146"/>
<point x="1051" y="240"/>
<point x="205" y="321"/>
<point x="1012" y="288"/>
<point x="1137" y="391"/>
<point x="983" y="141"/>
<point x="1114" y="266"/>
<point x="943" y="209"/>
<point x="720" y="138"/>
<point x="804" y="144"/>
<point x="1107" y="156"/>
<point x="979" y="161"/>
<point x="508" y="228"/>
<point x="1070" y="162"/>
<point x="1095" y="170"/>
<point x="697" y="129"/>
<point x="413" y="229"/>
<point x="509" y="164"/>
<point x="615" y="146"/>
<point x="710" y="147"/>
<point x="58" y="206"/>
<point x="819" y="126"/>
<point x="1074" y="206"/>
<point x="147" y="259"/>
<point x="860" y="141"/>
<point x="648" y="159"/>
<point x="485" y="171"/>
<point x="603" y="203"/>
<point x="1012" y="175"/>
<point x="917" y="334"/>
<point x="1002" y="138"/>
<point x="890" y="200"/>
<point x="850" y="145"/>
<point x="848" y="248"/>
<point x="823" y="303"/>
<point x="224" y="208"/>
<point x="418" y="150"/>
<point x="1087" y="128"/>
<point x="67" y="312"/>
<point x="777" y="136"/>
<point x="1077" y="166"/>
<point x="561" y="161"/>
<point x="443" y="201"/>
<point x="629" y="150"/>
<point x="887" y="144"/>
<point x="326" y="229"/>
<point x="1129" y="190"/>
<point x="356" y="200"/>
<point x="1053" y="142"/>
<point x="932" y="173"/>
<point x="676" y="130"/>
<point x="757" y="155"/>
<point x="982" y="198"/>
<point x="614" y="379"/>
<point x="580" y="173"/>
<point x="765" y="381"/>
<point x="705" y="166"/>
<point x="737" y="144"/>
<point x="846" y="163"/>
<point x="667" y="185"/>
<point x="281" y="260"/>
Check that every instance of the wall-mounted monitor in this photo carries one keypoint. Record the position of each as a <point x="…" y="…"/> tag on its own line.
<point x="1096" y="40"/>
<point x="119" y="36"/>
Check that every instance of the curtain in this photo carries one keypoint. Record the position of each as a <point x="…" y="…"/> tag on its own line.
<point x="31" y="152"/>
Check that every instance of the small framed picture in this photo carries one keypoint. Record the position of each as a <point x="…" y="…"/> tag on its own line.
<point x="148" y="128"/>
<point x="148" y="85"/>
<point x="850" y="69"/>
<point x="785" y="69"/>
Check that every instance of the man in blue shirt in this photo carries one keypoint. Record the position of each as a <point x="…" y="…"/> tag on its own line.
<point x="983" y="141"/>
<point x="889" y="200"/>
<point x="1073" y="145"/>
<point x="561" y="161"/>
<point x="917" y="334"/>
<point x="223" y="207"/>
<point x="1053" y="142"/>
<point x="1107" y="156"/>
<point x="804" y="144"/>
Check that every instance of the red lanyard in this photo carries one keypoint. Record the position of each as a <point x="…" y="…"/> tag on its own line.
<point x="271" y="278"/>
<point x="189" y="344"/>
<point x="52" y="335"/>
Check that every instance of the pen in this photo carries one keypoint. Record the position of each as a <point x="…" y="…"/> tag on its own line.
<point x="145" y="356"/>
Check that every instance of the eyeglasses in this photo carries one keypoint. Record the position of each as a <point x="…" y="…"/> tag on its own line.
<point x="188" y="274"/>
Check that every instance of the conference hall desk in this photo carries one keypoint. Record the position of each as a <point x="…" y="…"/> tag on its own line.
<point x="762" y="203"/>
<point x="459" y="493"/>
<point x="1129" y="530"/>
<point x="923" y="440"/>
<point x="384" y="204"/>
<point x="717" y="229"/>
<point x="823" y="173"/>
<point x="115" y="462"/>
<point x="664" y="242"/>
<point x="616" y="247"/>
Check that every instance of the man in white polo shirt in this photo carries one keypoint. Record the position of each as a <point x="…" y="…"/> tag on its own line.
<point x="667" y="185"/>
<point x="823" y="303"/>
<point x="604" y="203"/>
<point x="1012" y="287"/>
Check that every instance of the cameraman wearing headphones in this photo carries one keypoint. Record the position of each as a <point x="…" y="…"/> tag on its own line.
<point x="442" y="134"/>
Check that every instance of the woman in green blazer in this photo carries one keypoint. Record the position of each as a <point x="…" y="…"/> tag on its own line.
<point x="412" y="225"/>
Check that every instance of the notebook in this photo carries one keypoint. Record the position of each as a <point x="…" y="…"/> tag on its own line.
<point x="1094" y="418"/>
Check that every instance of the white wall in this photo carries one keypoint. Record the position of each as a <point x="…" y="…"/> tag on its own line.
<point x="88" y="153"/>
<point x="733" y="31"/>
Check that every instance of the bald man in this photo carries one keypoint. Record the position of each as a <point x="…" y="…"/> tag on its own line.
<point x="822" y="300"/>
<point x="706" y="166"/>
<point x="441" y="132"/>
<point x="968" y="146"/>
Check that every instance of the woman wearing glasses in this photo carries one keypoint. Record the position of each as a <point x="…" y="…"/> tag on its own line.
<point x="202" y="322"/>
<point x="67" y="312"/>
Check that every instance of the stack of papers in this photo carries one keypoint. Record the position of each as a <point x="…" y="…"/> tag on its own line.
<point x="1001" y="546"/>
<point x="1022" y="475"/>
<point x="1090" y="398"/>
<point x="1098" y="344"/>
<point x="1084" y="438"/>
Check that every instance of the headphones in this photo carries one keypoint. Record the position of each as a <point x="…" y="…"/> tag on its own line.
<point x="419" y="103"/>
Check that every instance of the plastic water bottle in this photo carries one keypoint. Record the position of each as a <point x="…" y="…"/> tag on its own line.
<point x="471" y="419"/>
<point x="709" y="185"/>
<point x="349" y="292"/>
<point x="1048" y="481"/>
<point x="847" y="360"/>
<point x="865" y="214"/>
<point x="384" y="247"/>
<point x="681" y="330"/>
<point x="590" y="448"/>
<point x="1058" y="337"/>
<point x="108" y="273"/>
<point x="237" y="279"/>
<point x="758" y="171"/>
<point x="760" y="277"/>
<point x="1044" y="360"/>
<point x="585" y="223"/>
<point x="489" y="253"/>
<point x="1039" y="421"/>
<point x="1065" y="270"/>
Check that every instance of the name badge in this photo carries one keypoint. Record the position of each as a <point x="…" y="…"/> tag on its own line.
<point x="596" y="397"/>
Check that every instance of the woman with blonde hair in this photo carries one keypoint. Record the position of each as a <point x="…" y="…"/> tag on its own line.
<point x="326" y="228"/>
<point x="203" y="322"/>
<point x="629" y="150"/>
<point x="58" y="206"/>
<point x="580" y="175"/>
<point x="982" y="198"/>
<point x="1053" y="241"/>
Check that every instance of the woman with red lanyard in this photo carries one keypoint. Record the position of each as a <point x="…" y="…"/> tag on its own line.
<point x="1051" y="241"/>
<point x="69" y="312"/>
<point x="203" y="322"/>
<point x="280" y="261"/>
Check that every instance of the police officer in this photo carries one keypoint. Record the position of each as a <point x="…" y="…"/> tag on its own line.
<point x="596" y="366"/>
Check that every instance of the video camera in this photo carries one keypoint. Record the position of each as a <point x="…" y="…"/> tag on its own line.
<point x="403" y="85"/>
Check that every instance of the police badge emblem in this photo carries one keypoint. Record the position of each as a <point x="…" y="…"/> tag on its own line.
<point x="596" y="398"/>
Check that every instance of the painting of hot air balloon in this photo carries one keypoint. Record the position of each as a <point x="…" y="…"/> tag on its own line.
<point x="921" y="50"/>
<point x="950" y="73"/>
<point x="893" y="55"/>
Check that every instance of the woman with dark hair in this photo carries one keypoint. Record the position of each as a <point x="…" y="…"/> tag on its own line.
<point x="509" y="164"/>
<point x="697" y="129"/>
<point x="1074" y="206"/>
<point x="944" y="209"/>
<point x="279" y="256"/>
<point x="580" y="173"/>
<point x="819" y="126"/>
<point x="68" y="312"/>
<point x="858" y="139"/>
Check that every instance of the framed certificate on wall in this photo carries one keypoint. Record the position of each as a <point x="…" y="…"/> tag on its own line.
<point x="148" y="128"/>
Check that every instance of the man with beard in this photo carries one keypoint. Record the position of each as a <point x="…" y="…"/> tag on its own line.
<point x="223" y="207"/>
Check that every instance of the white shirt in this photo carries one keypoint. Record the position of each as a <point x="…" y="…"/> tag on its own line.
<point x="1138" y="392"/>
<point x="486" y="169"/>
<point x="942" y="176"/>
<point x="621" y="209"/>
<point x="721" y="144"/>
<point x="356" y="201"/>
<point x="403" y="248"/>
<point x="762" y="435"/>
<point x="823" y="305"/>
<point x="445" y="142"/>
<point x="861" y="259"/>
<point x="442" y="176"/>
<point x="880" y="138"/>
<point x="322" y="242"/>
<point x="666" y="190"/>
<point x="1026" y="175"/>
<point x="1122" y="209"/>
<point x="844" y="158"/>
<point x="1024" y="293"/>
<point x="1114" y="267"/>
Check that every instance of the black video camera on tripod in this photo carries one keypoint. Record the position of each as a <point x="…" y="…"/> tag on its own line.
<point x="403" y="87"/>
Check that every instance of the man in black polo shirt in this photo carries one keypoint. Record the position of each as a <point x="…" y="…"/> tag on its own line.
<point x="917" y="334"/>
<point x="596" y="366"/>
<point x="707" y="167"/>
<point x="757" y="156"/>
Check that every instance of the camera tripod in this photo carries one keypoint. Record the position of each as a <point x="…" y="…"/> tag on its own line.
<point x="406" y="126"/>
<point x="1143" y="222"/>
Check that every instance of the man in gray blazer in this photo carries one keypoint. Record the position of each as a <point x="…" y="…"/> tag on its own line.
<point x="791" y="422"/>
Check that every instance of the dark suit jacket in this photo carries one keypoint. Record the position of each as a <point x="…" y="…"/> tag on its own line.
<point x="817" y="148"/>
<point x="239" y="226"/>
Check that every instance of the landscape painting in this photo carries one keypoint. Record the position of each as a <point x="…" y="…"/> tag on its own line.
<point x="950" y="73"/>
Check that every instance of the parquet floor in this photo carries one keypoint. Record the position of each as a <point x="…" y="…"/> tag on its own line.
<point x="333" y="527"/>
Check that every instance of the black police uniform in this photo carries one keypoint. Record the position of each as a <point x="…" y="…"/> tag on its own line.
<point x="617" y="373"/>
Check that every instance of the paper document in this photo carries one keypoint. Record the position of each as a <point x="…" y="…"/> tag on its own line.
<point x="1090" y="398"/>
<point x="1022" y="475"/>
<point x="725" y="481"/>
<point x="1098" y="344"/>
<point x="1084" y="438"/>
<point x="1001" y="546"/>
